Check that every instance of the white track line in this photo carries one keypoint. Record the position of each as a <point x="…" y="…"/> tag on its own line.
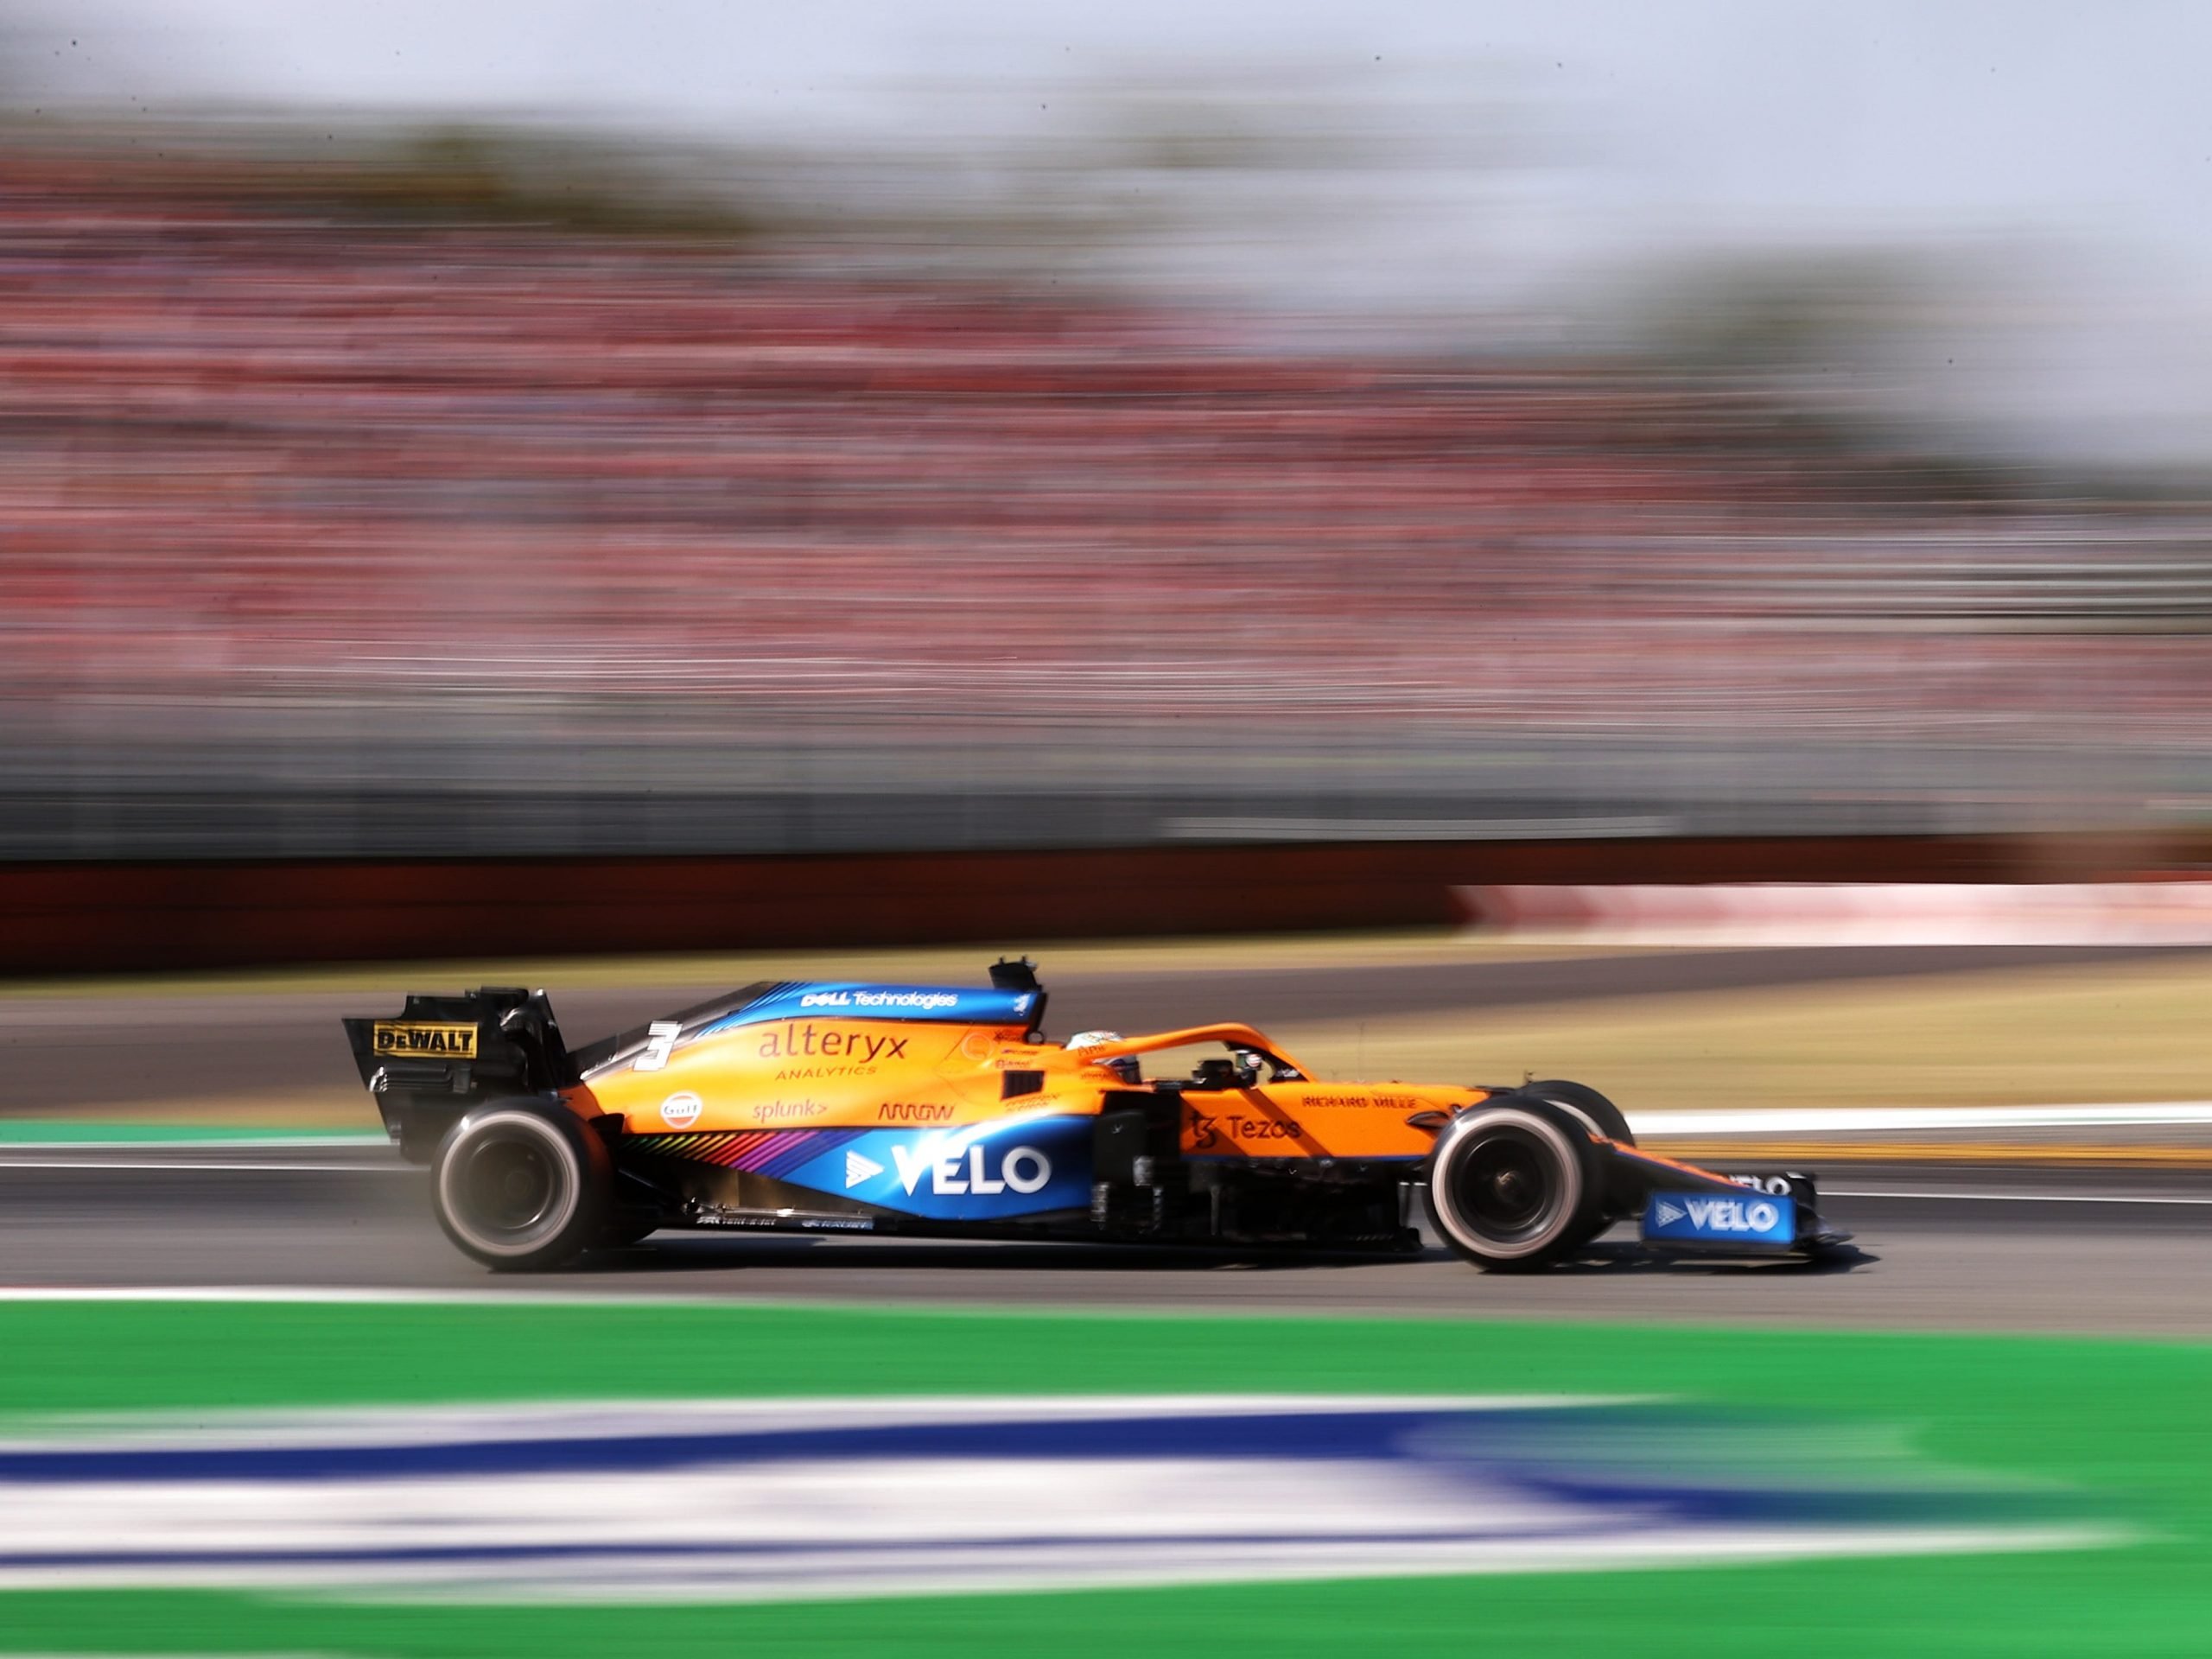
<point x="1877" y="1118"/>
<point x="227" y="1143"/>
<point x="391" y="1296"/>
<point x="191" y="1165"/>
<point x="2014" y="1197"/>
<point x="1865" y="1120"/>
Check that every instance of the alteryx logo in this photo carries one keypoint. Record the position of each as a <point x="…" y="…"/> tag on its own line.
<point x="1740" y="1221"/>
<point x="1006" y="1166"/>
<point x="751" y="1501"/>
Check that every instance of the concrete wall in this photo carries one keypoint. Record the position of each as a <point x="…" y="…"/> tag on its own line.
<point x="86" y="918"/>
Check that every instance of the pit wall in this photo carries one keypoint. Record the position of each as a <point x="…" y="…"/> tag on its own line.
<point x="87" y="918"/>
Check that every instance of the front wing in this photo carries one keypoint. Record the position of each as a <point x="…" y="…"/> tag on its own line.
<point x="1683" y="1207"/>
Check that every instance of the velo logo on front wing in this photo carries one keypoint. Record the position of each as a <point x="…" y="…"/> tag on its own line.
<point x="1721" y="1215"/>
<point x="1747" y="1220"/>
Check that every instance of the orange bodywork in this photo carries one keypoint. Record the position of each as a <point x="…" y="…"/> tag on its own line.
<point x="835" y="1072"/>
<point x="849" y="1107"/>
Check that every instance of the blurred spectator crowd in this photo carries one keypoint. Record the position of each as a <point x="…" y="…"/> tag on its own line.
<point x="296" y="497"/>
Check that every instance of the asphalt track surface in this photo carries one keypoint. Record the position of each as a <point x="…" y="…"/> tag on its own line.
<point x="62" y="1053"/>
<point x="1952" y="1248"/>
<point x="1944" y="1247"/>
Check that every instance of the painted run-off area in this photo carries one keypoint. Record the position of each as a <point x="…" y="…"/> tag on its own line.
<point x="2121" y="1423"/>
<point x="2118" y="1031"/>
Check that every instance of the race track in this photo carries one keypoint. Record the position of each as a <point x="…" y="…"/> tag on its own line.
<point x="62" y="1053"/>
<point x="2037" y="1246"/>
<point x="1989" y="1248"/>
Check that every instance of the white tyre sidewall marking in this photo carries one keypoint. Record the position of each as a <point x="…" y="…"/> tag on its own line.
<point x="1466" y="1131"/>
<point x="564" y="1156"/>
<point x="1579" y="1116"/>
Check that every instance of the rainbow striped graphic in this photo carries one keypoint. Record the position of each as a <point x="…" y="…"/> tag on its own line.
<point x="776" y="1152"/>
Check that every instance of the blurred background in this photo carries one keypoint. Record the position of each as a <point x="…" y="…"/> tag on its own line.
<point x="581" y="428"/>
<point x="639" y="498"/>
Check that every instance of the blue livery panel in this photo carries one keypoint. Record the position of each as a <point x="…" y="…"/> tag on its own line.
<point x="852" y="1000"/>
<point x="973" y="1171"/>
<point x="1704" y="1218"/>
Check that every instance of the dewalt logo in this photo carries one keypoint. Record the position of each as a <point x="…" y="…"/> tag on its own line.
<point x="394" y="1040"/>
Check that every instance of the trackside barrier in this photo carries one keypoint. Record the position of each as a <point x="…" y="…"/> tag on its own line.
<point x="92" y="917"/>
<point x="1722" y="914"/>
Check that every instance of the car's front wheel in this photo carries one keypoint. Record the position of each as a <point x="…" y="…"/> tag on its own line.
<point x="1587" y="1104"/>
<point x="521" y="1185"/>
<point x="1514" y="1186"/>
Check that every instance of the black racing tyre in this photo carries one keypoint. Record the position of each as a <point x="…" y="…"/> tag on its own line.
<point x="1514" y="1185"/>
<point x="1585" y="1103"/>
<point x="522" y="1185"/>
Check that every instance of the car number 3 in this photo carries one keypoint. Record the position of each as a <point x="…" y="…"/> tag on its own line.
<point x="660" y="1036"/>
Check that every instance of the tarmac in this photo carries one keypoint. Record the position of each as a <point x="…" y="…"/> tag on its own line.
<point x="2085" y="1224"/>
<point x="1966" y="1246"/>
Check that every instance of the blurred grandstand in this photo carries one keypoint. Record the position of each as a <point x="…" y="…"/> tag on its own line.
<point x="348" y="516"/>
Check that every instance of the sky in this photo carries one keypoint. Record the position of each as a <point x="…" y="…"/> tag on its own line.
<point x="2070" y="144"/>
<point x="1875" y="114"/>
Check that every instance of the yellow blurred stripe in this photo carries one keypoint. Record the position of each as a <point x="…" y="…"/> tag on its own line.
<point x="1722" y="1153"/>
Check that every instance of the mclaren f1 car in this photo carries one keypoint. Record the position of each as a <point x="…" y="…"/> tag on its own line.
<point x="916" y="1110"/>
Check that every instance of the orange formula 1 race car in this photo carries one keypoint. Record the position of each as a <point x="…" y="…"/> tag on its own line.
<point x="932" y="1111"/>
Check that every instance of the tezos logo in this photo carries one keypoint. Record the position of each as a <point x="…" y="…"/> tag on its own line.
<point x="680" y="1111"/>
<point x="1024" y="1169"/>
<point x="1721" y="1215"/>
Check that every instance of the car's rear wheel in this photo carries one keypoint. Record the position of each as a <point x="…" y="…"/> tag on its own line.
<point x="1514" y="1186"/>
<point x="521" y="1185"/>
<point x="1585" y="1103"/>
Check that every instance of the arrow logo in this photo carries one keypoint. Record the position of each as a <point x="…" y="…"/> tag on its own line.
<point x="1669" y="1213"/>
<point x="859" y="1169"/>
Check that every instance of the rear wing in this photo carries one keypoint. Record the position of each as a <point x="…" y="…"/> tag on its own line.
<point x="440" y="1055"/>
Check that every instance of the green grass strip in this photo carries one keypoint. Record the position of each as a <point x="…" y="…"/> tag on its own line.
<point x="2125" y="1421"/>
<point x="80" y="1132"/>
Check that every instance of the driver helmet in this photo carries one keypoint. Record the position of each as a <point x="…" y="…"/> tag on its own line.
<point x="1124" y="1066"/>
